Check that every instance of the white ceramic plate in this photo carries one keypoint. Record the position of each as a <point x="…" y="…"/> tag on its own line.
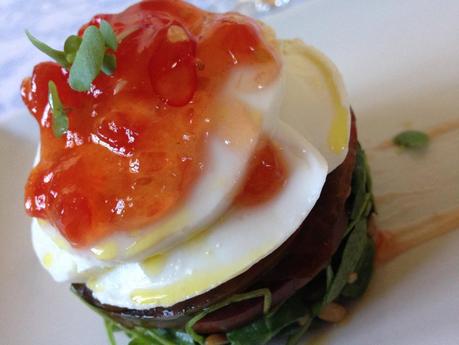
<point x="400" y="63"/>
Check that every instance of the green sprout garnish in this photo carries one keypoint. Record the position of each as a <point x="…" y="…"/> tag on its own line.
<point x="85" y="57"/>
<point x="60" y="119"/>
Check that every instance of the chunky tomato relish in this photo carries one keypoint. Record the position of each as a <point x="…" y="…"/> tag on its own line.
<point x="136" y="141"/>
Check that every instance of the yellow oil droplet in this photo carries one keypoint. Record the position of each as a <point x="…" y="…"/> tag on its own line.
<point x="106" y="251"/>
<point x="161" y="232"/>
<point x="147" y="297"/>
<point x="154" y="265"/>
<point x="193" y="284"/>
<point x="48" y="260"/>
<point x="338" y="136"/>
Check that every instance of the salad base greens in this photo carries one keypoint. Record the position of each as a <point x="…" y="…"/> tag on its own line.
<point x="344" y="279"/>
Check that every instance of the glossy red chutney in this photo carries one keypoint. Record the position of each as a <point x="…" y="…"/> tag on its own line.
<point x="136" y="141"/>
<point x="266" y="176"/>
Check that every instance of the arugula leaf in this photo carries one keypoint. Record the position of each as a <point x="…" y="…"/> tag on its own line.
<point x="295" y="338"/>
<point x="265" y="293"/>
<point x="71" y="46"/>
<point x="88" y="60"/>
<point x="173" y="336"/>
<point x="353" y="251"/>
<point x="110" y="328"/>
<point x="361" y="195"/>
<point x="109" y="35"/>
<point x="60" y="123"/>
<point x="57" y="55"/>
<point x="364" y="272"/>
<point x="263" y="330"/>
<point x="411" y="139"/>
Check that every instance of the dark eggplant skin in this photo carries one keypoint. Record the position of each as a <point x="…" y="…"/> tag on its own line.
<point x="285" y="271"/>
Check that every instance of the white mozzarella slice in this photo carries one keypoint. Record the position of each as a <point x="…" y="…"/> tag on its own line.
<point x="315" y="101"/>
<point x="238" y="240"/>
<point x="55" y="255"/>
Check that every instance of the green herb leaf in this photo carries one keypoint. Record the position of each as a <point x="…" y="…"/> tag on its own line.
<point x="109" y="327"/>
<point x="88" y="60"/>
<point x="109" y="35"/>
<point x="60" y="123"/>
<point x="364" y="272"/>
<point x="263" y="330"/>
<point x="295" y="338"/>
<point x="265" y="293"/>
<point x="71" y="46"/>
<point x="361" y="195"/>
<point x="329" y="276"/>
<point x="109" y="64"/>
<point x="411" y="140"/>
<point x="353" y="251"/>
<point x="57" y="55"/>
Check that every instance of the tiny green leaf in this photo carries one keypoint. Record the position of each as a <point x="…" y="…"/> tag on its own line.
<point x="364" y="272"/>
<point x="109" y="64"/>
<point x="60" y="122"/>
<point x="57" y="55"/>
<point x="411" y="139"/>
<point x="109" y="327"/>
<point x="71" y="46"/>
<point x="265" y="293"/>
<point x="88" y="60"/>
<point x="109" y="35"/>
<point x="353" y="251"/>
<point x="261" y="331"/>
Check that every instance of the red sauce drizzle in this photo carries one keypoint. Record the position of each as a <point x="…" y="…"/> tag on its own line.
<point x="135" y="144"/>
<point x="266" y="176"/>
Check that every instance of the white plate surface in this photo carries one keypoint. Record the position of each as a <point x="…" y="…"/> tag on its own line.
<point x="400" y="62"/>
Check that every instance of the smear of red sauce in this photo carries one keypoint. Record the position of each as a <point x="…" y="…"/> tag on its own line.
<point x="136" y="141"/>
<point x="394" y="242"/>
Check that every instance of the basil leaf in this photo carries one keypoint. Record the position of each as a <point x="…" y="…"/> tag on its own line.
<point x="71" y="46"/>
<point x="108" y="35"/>
<point x="353" y="251"/>
<point x="88" y="60"/>
<point x="57" y="55"/>
<point x="411" y="139"/>
<point x="364" y="272"/>
<point x="60" y="123"/>
<point x="109" y="64"/>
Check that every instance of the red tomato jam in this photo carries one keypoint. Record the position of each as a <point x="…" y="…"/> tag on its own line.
<point x="136" y="141"/>
<point x="266" y="176"/>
